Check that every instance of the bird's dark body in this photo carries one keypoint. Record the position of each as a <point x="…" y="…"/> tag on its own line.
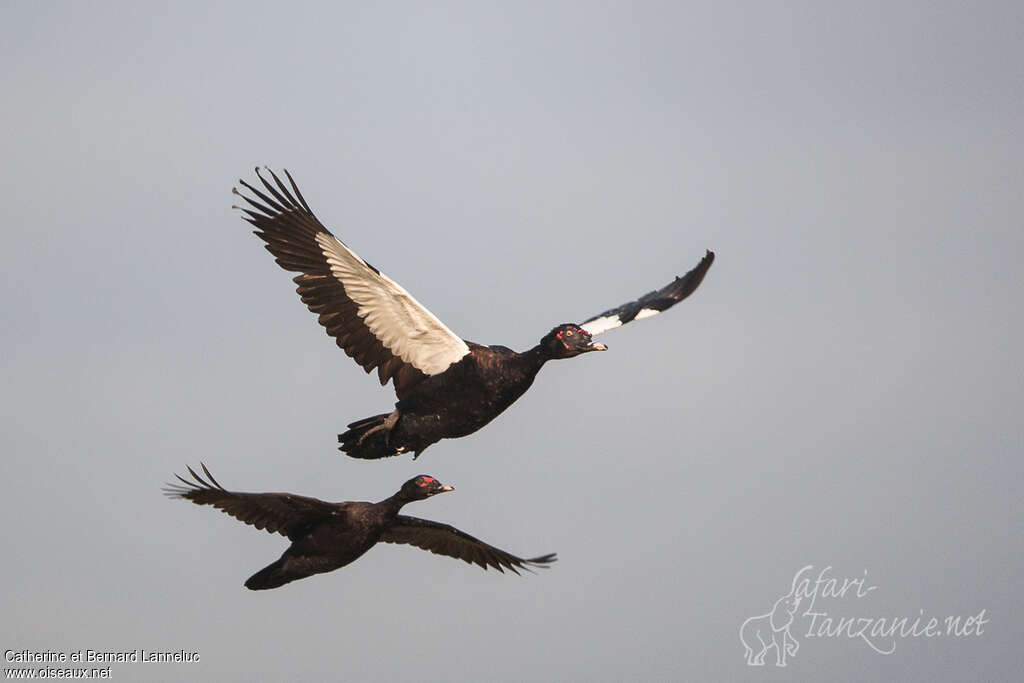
<point x="327" y="544"/>
<point x="455" y="403"/>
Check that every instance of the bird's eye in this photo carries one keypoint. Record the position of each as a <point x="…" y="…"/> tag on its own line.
<point x="568" y="333"/>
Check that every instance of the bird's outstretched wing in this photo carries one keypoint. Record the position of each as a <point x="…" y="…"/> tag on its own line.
<point x="372" y="318"/>
<point x="651" y="303"/>
<point x="282" y="513"/>
<point x="443" y="539"/>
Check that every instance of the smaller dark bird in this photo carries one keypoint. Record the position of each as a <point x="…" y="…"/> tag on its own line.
<point x="326" y="536"/>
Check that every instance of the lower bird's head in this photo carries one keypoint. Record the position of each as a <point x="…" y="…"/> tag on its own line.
<point x="423" y="486"/>
<point x="568" y="340"/>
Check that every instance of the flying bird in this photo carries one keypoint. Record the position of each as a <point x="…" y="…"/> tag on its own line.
<point x="447" y="387"/>
<point x="327" y="536"/>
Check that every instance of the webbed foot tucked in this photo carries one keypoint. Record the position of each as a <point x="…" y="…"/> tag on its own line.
<point x="355" y="443"/>
<point x="387" y="425"/>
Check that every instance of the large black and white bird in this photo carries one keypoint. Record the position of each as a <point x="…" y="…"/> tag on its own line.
<point x="327" y="536"/>
<point x="447" y="387"/>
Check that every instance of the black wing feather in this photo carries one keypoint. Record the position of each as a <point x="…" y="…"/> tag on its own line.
<point x="282" y="513"/>
<point x="444" y="539"/>
<point x="657" y="301"/>
<point x="285" y="222"/>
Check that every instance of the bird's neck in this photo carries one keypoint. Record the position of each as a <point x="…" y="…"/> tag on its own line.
<point x="393" y="505"/>
<point x="534" y="359"/>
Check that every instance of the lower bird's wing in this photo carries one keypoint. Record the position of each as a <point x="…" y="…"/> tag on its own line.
<point x="282" y="513"/>
<point x="447" y="540"/>
<point x="651" y="303"/>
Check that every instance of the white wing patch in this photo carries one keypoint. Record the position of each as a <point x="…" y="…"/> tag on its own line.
<point x="402" y="324"/>
<point x="610" y="322"/>
<point x="602" y="324"/>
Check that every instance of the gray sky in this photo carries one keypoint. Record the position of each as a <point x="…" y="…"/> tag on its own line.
<point x="844" y="390"/>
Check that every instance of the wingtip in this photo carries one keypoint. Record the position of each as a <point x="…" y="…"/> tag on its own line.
<point x="171" y="490"/>
<point x="544" y="561"/>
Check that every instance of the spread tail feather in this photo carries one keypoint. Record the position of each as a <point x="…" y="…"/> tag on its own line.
<point x="272" y="576"/>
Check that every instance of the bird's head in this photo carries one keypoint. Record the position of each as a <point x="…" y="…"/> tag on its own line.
<point x="568" y="340"/>
<point x="423" y="486"/>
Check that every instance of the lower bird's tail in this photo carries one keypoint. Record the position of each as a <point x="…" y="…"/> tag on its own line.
<point x="368" y="439"/>
<point x="271" y="576"/>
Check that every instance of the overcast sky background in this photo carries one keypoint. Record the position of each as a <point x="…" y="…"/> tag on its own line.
<point x="845" y="388"/>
